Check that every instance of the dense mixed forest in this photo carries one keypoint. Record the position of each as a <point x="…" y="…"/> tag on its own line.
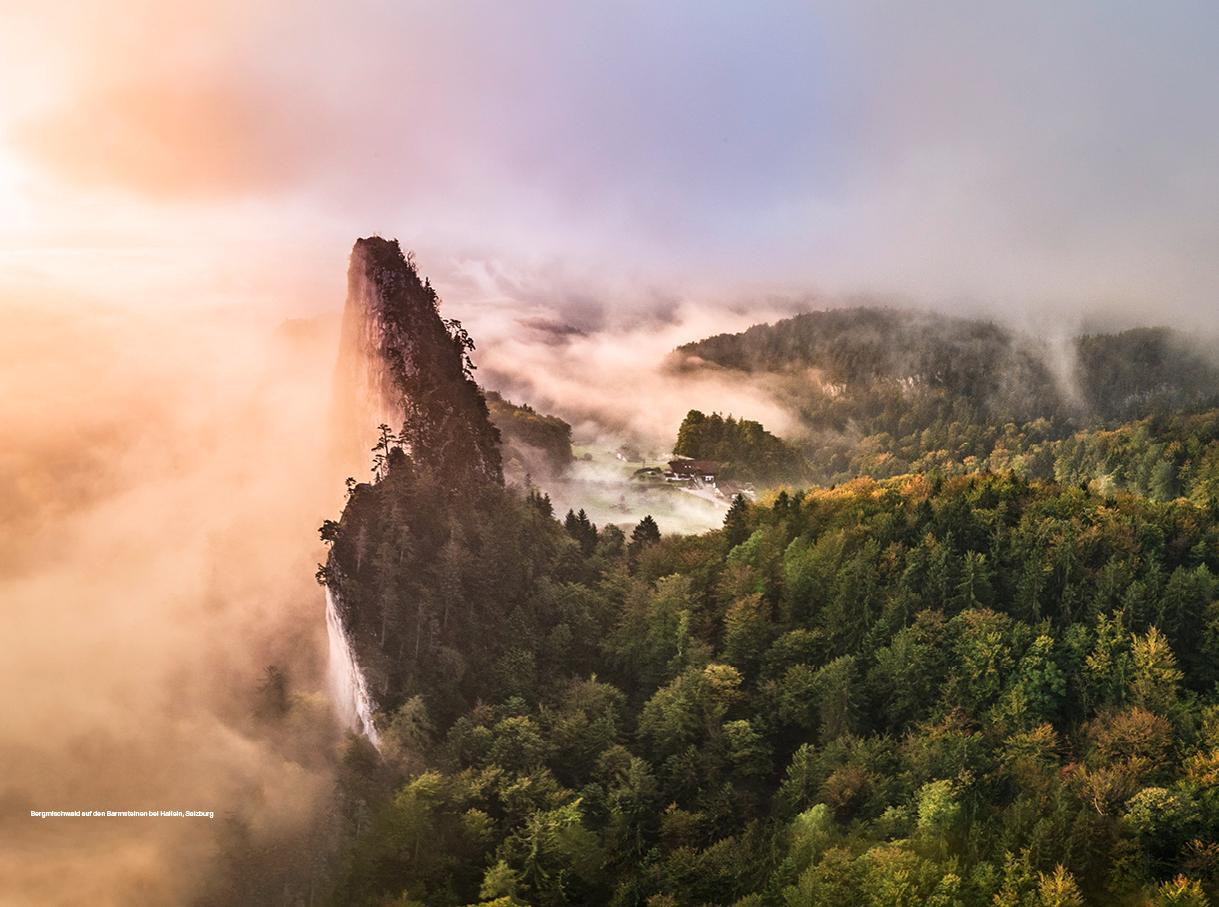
<point x="1160" y="457"/>
<point x="975" y="691"/>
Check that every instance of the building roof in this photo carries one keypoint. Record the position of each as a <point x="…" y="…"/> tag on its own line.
<point x="694" y="467"/>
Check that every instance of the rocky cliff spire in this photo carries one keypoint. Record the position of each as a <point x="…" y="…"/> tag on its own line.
<point x="401" y="364"/>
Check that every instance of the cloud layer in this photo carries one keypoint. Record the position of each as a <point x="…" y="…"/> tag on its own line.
<point x="1042" y="155"/>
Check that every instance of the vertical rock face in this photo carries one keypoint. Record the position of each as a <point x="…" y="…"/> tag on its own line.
<point x="401" y="364"/>
<point x="348" y="684"/>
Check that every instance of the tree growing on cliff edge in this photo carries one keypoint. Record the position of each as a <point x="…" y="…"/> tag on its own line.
<point x="387" y="442"/>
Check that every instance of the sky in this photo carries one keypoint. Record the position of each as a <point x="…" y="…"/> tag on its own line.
<point x="617" y="156"/>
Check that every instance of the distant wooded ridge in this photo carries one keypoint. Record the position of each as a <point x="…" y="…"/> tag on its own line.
<point x="1120" y="375"/>
<point x="880" y="392"/>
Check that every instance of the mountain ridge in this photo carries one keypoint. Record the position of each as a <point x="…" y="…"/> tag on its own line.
<point x="1014" y="374"/>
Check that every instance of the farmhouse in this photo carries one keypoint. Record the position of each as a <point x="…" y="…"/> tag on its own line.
<point x="684" y="470"/>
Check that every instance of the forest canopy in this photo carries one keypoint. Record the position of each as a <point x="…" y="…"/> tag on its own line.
<point x="977" y="691"/>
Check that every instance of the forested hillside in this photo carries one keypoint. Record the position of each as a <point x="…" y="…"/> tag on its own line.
<point x="1007" y="374"/>
<point x="981" y="691"/>
<point x="884" y="393"/>
<point x="533" y="442"/>
<point x="747" y="451"/>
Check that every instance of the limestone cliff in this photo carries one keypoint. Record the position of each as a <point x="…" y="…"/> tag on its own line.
<point x="401" y="364"/>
